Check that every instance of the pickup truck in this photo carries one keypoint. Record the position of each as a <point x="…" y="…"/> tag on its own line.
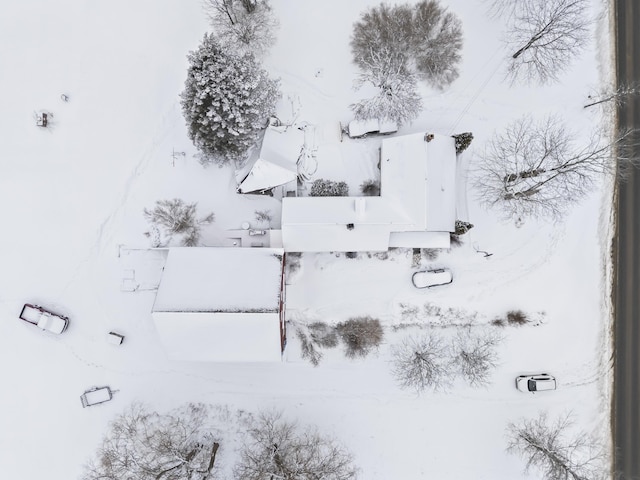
<point x="44" y="319"/>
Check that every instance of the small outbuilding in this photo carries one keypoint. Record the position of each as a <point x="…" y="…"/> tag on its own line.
<point x="222" y="304"/>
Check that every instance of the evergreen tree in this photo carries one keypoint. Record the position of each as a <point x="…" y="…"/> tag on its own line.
<point x="226" y="101"/>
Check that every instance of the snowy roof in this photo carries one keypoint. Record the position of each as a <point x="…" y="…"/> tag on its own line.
<point x="219" y="337"/>
<point x="417" y="196"/>
<point x="420" y="176"/>
<point x="209" y="279"/>
<point x="276" y="163"/>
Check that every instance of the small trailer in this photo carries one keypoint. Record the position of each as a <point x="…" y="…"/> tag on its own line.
<point x="96" y="396"/>
<point x="44" y="319"/>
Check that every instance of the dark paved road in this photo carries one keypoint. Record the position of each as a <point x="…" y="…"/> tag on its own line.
<point x="626" y="399"/>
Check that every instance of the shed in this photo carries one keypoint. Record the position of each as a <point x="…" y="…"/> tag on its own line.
<point x="222" y="304"/>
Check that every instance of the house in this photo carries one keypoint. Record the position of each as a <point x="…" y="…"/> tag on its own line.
<point x="416" y="206"/>
<point x="222" y="304"/>
<point x="275" y="163"/>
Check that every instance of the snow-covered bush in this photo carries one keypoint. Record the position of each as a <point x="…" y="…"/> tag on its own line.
<point x="174" y="217"/>
<point x="426" y="38"/>
<point x="328" y="188"/>
<point x="227" y="100"/>
<point x="360" y="335"/>
<point x="463" y="140"/>
<point x="462" y="227"/>
<point x="244" y="25"/>
<point x="370" y="188"/>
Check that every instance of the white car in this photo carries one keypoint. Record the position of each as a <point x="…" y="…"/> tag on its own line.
<point x="432" y="278"/>
<point x="535" y="383"/>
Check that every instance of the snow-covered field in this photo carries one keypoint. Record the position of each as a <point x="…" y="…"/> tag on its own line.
<point x="72" y="199"/>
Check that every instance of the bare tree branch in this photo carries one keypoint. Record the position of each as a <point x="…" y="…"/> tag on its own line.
<point x="538" y="169"/>
<point x="545" y="36"/>
<point x="476" y="356"/>
<point x="547" y="447"/>
<point x="422" y="363"/>
<point x="282" y="450"/>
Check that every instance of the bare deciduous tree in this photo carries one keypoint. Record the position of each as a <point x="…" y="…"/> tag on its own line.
<point x="179" y="445"/>
<point x="537" y="169"/>
<point x="175" y="217"/>
<point x="397" y="98"/>
<point x="421" y="363"/>
<point x="545" y="36"/>
<point x="546" y="446"/>
<point x="280" y="449"/>
<point x="248" y="25"/>
<point x="476" y="356"/>
<point x="425" y="39"/>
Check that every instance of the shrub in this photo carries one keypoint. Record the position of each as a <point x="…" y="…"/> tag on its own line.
<point x="462" y="227"/>
<point x="498" y="322"/>
<point x="174" y="217"/>
<point x="328" y="188"/>
<point x="370" y="188"/>
<point x="360" y="335"/>
<point x="517" y="318"/>
<point x="463" y="140"/>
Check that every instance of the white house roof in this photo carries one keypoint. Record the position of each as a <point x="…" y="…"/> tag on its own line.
<point x="417" y="195"/>
<point x="208" y="279"/>
<point x="219" y="337"/>
<point x="420" y="177"/>
<point x="276" y="162"/>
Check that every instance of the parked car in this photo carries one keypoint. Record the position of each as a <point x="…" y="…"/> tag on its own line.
<point x="535" y="383"/>
<point x="44" y="319"/>
<point x="432" y="278"/>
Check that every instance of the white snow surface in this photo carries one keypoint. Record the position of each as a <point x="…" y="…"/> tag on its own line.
<point x="73" y="196"/>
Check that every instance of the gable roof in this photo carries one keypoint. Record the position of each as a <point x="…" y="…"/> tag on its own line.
<point x="275" y="164"/>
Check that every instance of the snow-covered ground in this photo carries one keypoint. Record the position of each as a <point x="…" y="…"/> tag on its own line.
<point x="72" y="199"/>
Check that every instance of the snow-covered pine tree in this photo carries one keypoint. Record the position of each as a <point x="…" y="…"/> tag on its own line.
<point x="227" y="100"/>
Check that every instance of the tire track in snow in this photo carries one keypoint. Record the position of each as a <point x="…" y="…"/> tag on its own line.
<point x="104" y="231"/>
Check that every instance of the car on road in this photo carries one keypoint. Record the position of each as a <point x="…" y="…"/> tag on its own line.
<point x="432" y="278"/>
<point x="535" y="383"/>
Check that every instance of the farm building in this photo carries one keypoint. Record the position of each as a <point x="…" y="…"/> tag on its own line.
<point x="222" y="304"/>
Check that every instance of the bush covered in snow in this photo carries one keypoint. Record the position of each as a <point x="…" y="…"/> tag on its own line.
<point x="227" y="100"/>
<point x="328" y="188"/>
<point x="174" y="217"/>
<point x="360" y="335"/>
<point x="370" y="188"/>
